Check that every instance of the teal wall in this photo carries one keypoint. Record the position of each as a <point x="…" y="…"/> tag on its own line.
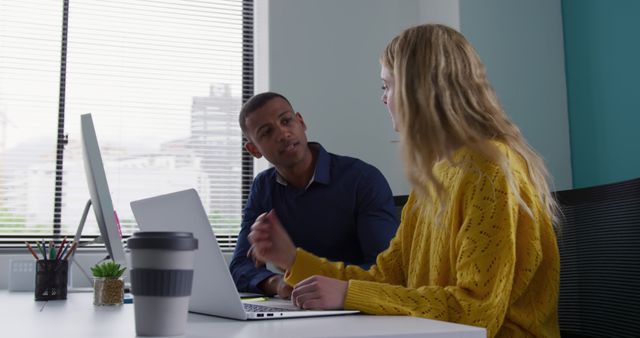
<point x="602" y="51"/>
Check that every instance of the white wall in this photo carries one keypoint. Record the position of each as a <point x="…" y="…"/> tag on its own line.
<point x="521" y="44"/>
<point x="323" y="55"/>
<point x="446" y="12"/>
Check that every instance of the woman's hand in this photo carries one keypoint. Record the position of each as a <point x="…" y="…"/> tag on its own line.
<point x="270" y="242"/>
<point x="320" y="293"/>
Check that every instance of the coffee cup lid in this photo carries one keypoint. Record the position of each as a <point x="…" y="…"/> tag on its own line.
<point x="163" y="240"/>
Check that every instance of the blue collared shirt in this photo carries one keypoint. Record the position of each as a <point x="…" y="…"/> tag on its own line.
<point x="346" y="213"/>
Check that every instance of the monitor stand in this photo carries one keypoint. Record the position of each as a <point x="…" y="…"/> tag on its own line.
<point x="76" y="239"/>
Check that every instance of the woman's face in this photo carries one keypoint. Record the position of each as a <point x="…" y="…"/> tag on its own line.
<point x="387" y="95"/>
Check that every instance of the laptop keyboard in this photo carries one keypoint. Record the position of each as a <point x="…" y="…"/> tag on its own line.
<point x="262" y="308"/>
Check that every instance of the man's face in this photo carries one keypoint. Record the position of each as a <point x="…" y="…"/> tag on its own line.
<point x="276" y="132"/>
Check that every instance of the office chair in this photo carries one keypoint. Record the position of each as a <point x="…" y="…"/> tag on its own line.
<point x="400" y="201"/>
<point x="599" y="242"/>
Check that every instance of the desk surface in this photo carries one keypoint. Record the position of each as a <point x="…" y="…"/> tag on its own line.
<point x="21" y="316"/>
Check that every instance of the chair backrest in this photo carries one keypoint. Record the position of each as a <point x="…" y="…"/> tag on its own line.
<point x="400" y="201"/>
<point x="599" y="242"/>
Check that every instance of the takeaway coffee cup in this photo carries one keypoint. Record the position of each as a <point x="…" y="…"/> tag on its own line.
<point x="161" y="279"/>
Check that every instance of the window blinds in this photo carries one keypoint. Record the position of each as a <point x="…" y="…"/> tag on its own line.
<point x="163" y="80"/>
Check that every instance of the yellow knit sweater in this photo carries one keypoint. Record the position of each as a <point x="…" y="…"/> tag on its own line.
<point x="490" y="264"/>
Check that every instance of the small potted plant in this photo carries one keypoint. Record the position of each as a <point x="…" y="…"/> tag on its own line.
<point x="108" y="285"/>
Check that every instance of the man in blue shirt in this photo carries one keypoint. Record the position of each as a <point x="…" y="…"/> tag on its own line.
<point x="334" y="206"/>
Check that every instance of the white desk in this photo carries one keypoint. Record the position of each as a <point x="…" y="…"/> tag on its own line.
<point x="21" y="316"/>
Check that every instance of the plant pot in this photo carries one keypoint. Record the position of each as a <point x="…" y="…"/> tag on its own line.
<point x="108" y="291"/>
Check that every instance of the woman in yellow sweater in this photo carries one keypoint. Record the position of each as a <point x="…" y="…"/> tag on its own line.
<point x="476" y="243"/>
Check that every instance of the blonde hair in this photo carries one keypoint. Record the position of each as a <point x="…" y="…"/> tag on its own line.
<point x="444" y="101"/>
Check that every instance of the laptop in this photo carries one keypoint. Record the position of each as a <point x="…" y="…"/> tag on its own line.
<point x="213" y="291"/>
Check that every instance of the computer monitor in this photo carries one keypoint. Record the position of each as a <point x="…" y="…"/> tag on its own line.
<point x="100" y="196"/>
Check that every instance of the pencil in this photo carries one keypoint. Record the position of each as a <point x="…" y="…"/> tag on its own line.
<point x="40" y="248"/>
<point x="65" y="250"/>
<point x="31" y="250"/>
<point x="52" y="250"/>
<point x="59" y="254"/>
<point x="71" y="250"/>
<point x="44" y="249"/>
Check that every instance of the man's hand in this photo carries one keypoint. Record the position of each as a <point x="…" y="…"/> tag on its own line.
<point x="270" y="242"/>
<point x="275" y="285"/>
<point x="320" y="293"/>
<point x="284" y="289"/>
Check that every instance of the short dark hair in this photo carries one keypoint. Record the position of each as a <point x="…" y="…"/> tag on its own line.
<point x="254" y="103"/>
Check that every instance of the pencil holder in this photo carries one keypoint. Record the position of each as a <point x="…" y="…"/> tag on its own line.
<point x="51" y="279"/>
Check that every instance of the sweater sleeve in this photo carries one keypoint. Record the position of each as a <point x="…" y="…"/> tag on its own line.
<point x="484" y="252"/>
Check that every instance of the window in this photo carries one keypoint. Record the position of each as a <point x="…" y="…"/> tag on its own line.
<point x="164" y="81"/>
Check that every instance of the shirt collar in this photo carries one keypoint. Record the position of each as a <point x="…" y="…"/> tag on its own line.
<point x="321" y="173"/>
